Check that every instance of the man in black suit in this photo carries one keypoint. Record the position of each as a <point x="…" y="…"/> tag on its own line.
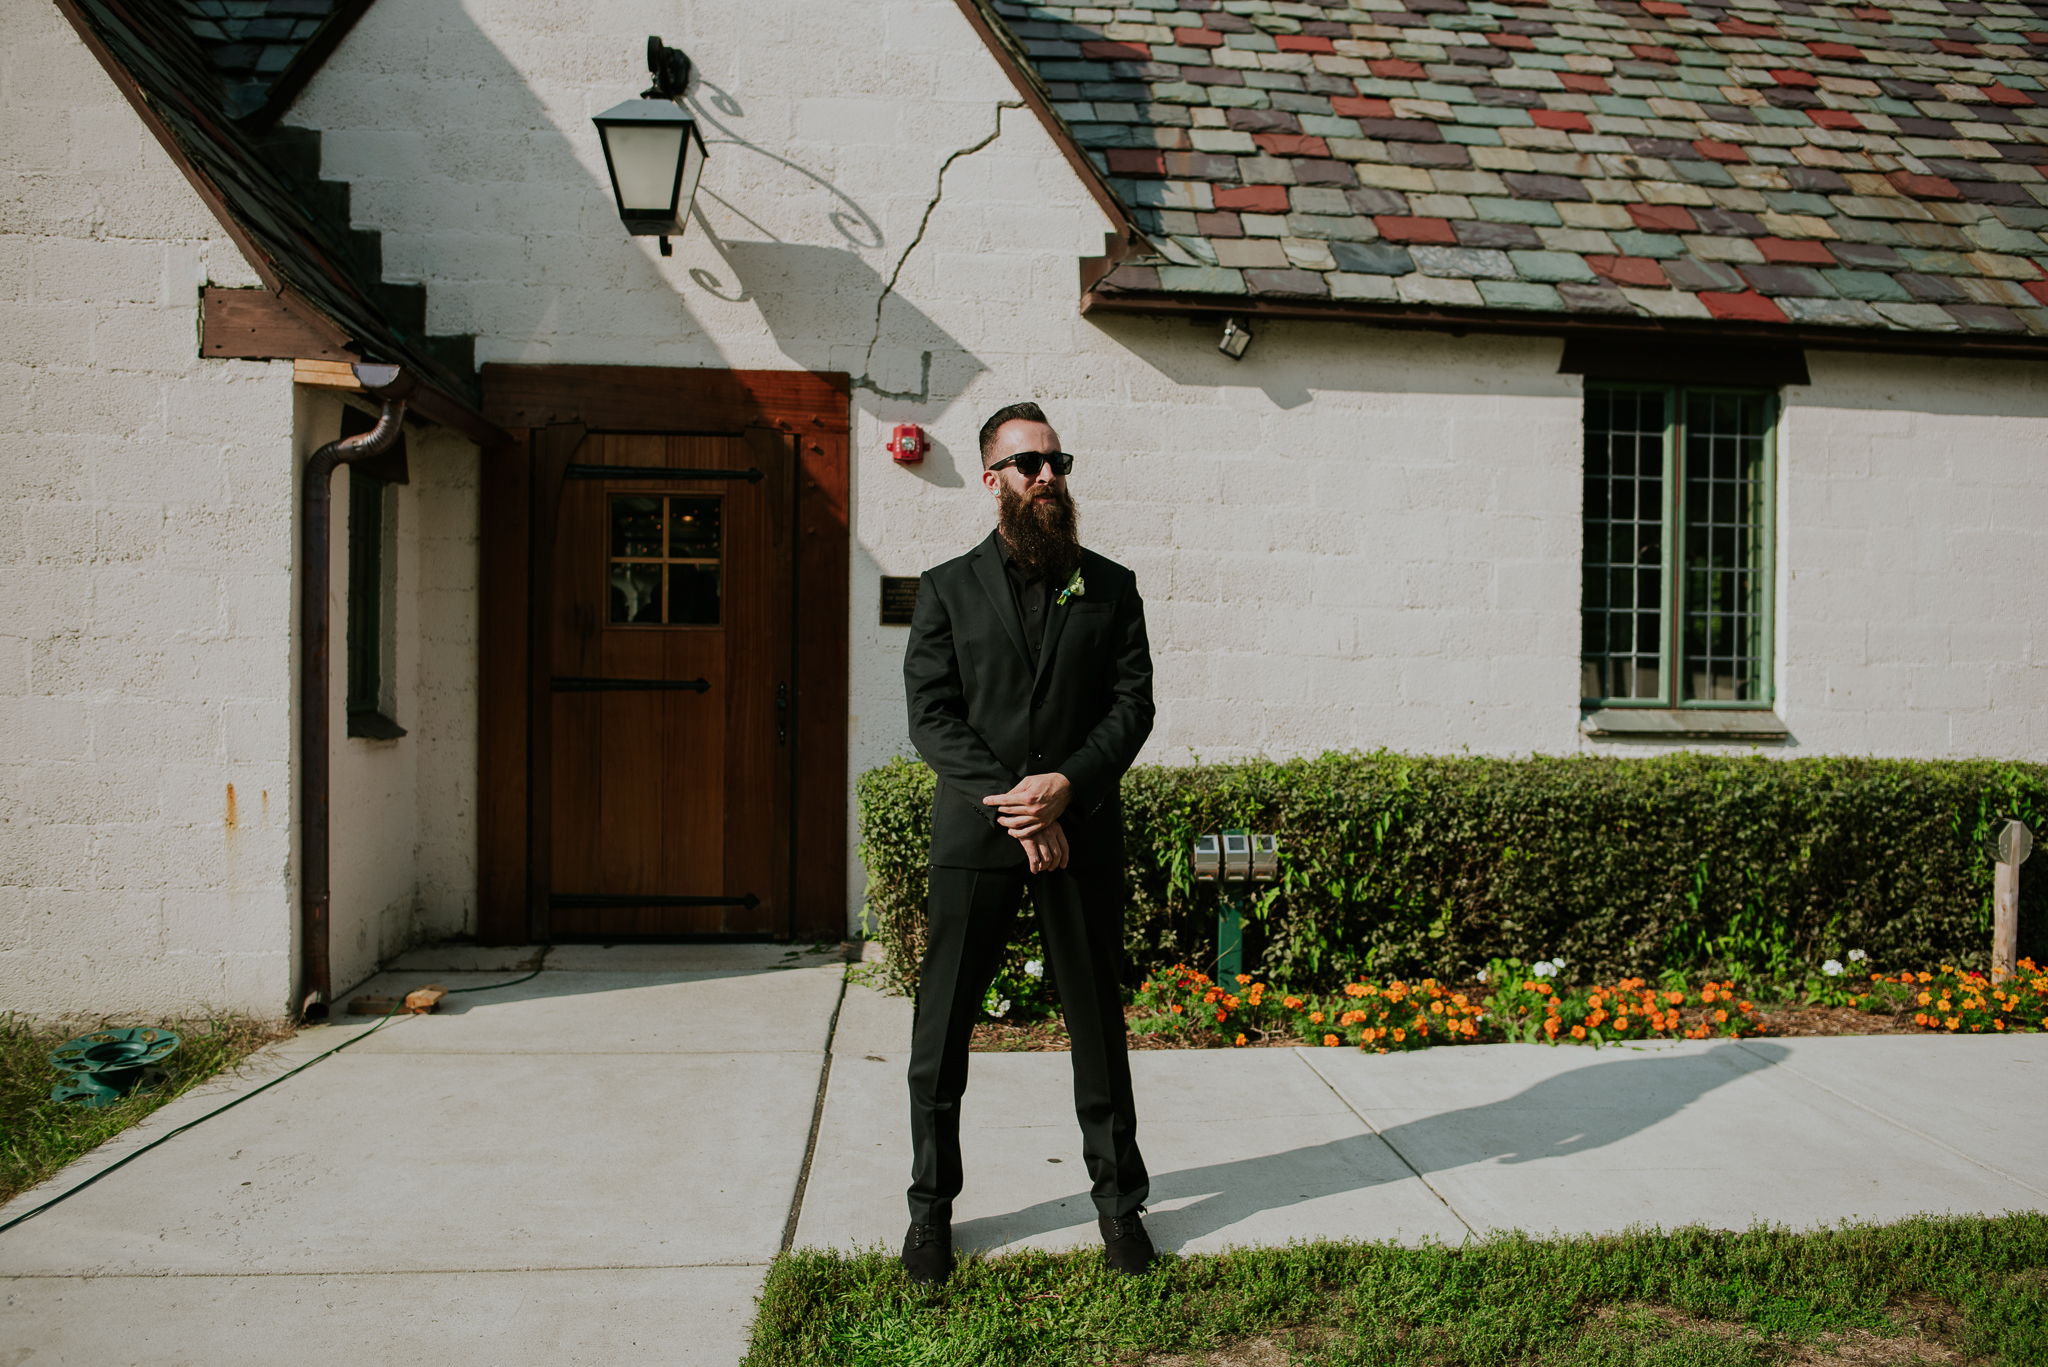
<point x="1030" y="688"/>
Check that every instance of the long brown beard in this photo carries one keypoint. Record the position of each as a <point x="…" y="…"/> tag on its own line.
<point x="1044" y="538"/>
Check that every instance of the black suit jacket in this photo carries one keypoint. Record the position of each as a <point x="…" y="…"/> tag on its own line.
<point x="982" y="718"/>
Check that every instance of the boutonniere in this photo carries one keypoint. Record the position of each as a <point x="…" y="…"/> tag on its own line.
<point x="1074" y="589"/>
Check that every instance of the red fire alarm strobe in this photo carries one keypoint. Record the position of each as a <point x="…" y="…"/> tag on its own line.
<point x="907" y="444"/>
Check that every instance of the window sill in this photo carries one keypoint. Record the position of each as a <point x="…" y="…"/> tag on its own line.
<point x="373" y="726"/>
<point x="1656" y="723"/>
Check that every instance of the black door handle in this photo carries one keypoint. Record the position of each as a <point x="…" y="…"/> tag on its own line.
<point x="782" y="714"/>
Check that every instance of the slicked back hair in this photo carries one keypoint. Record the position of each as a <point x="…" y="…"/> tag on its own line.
<point x="1026" y="411"/>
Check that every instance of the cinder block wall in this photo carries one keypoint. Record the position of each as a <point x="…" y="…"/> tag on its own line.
<point x="145" y="573"/>
<point x="402" y="862"/>
<point x="1354" y="537"/>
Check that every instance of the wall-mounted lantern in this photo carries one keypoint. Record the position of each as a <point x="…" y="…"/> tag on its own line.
<point x="653" y="150"/>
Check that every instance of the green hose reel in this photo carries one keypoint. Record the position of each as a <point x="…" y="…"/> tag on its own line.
<point x="104" y="1067"/>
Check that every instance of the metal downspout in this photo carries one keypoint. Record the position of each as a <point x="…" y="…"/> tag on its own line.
<point x="390" y="384"/>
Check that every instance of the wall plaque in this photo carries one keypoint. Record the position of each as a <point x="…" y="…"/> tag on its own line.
<point x="899" y="599"/>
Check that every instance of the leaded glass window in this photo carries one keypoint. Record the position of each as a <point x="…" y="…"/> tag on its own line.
<point x="1676" y="589"/>
<point x="665" y="559"/>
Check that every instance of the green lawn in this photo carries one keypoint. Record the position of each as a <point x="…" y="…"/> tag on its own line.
<point x="38" y="1136"/>
<point x="1943" y="1290"/>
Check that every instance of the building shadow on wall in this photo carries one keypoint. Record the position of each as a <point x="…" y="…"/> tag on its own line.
<point x="813" y="299"/>
<point x="1557" y="1117"/>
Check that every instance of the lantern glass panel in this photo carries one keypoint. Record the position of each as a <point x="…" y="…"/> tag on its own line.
<point x="644" y="161"/>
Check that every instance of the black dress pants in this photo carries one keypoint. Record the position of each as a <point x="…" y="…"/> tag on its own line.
<point x="1080" y="920"/>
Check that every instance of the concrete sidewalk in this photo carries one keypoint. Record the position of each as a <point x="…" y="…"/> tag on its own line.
<point x="1266" y="1145"/>
<point x="599" y="1164"/>
<point x="594" y="1166"/>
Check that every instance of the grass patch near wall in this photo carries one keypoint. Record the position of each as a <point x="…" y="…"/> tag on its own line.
<point x="38" y="1136"/>
<point x="1969" y="1289"/>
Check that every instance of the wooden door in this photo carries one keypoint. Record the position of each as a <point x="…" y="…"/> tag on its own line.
<point x="671" y="630"/>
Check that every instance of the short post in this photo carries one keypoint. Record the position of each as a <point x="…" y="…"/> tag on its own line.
<point x="2015" y="843"/>
<point x="1233" y="861"/>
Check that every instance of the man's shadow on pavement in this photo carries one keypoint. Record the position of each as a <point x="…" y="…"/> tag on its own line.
<point x="1557" y="1117"/>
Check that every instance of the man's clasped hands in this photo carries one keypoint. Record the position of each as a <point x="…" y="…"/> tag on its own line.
<point x="1031" y="813"/>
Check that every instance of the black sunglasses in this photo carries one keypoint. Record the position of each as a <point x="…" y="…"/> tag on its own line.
<point x="1029" y="463"/>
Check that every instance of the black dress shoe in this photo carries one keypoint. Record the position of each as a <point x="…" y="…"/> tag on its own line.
<point x="928" y="1254"/>
<point x="1126" y="1244"/>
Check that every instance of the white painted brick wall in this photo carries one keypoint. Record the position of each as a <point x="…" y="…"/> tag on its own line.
<point x="402" y="865"/>
<point x="145" y="573"/>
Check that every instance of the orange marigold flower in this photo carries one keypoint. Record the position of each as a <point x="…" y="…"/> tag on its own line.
<point x="1240" y="1041"/>
<point x="1146" y="988"/>
<point x="1291" y="1003"/>
<point x="1222" y="1015"/>
<point x="1998" y="1025"/>
<point x="1437" y="1008"/>
<point x="1542" y="989"/>
<point x="1621" y="1023"/>
<point x="1399" y="1034"/>
<point x="1675" y="998"/>
<point x="1329" y="1041"/>
<point x="1550" y="1027"/>
<point x="1578" y="1032"/>
<point x="1720" y="1015"/>
<point x="1707" y="995"/>
<point x="1175" y="1008"/>
<point x="1243" y="978"/>
<point x="1315" y="1018"/>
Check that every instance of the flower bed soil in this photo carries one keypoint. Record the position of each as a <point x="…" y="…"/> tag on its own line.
<point x="999" y="1037"/>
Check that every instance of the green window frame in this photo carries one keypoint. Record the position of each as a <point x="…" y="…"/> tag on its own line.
<point x="1678" y="579"/>
<point x="371" y="600"/>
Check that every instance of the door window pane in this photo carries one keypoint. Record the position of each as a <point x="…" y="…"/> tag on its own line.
<point x="665" y="563"/>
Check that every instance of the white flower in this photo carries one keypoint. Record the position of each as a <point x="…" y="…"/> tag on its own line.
<point x="1033" y="969"/>
<point x="1558" y="962"/>
<point x="1832" y="968"/>
<point x="1000" y="1009"/>
<point x="1482" y="975"/>
<point x="1857" y="956"/>
<point x="1544" y="969"/>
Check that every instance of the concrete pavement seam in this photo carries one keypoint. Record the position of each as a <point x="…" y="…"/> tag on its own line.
<point x="1900" y="1124"/>
<point x="803" y="1176"/>
<point x="1317" y="1073"/>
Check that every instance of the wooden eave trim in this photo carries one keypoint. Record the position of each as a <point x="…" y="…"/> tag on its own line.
<point x="1128" y="235"/>
<point x="1519" y="323"/>
<point x="667" y="398"/>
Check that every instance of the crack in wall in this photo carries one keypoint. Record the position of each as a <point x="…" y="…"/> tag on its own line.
<point x="922" y="394"/>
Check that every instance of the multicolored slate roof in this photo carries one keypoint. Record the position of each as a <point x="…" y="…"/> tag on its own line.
<point x="1771" y="163"/>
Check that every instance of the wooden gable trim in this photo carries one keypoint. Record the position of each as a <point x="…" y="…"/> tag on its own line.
<point x="540" y="406"/>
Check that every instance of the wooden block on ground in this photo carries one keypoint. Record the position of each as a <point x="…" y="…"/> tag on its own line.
<point x="425" y="999"/>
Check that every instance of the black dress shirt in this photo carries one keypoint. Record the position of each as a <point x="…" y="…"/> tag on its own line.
<point x="1031" y="597"/>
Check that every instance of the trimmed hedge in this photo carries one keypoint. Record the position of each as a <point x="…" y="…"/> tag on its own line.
<point x="1412" y="865"/>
